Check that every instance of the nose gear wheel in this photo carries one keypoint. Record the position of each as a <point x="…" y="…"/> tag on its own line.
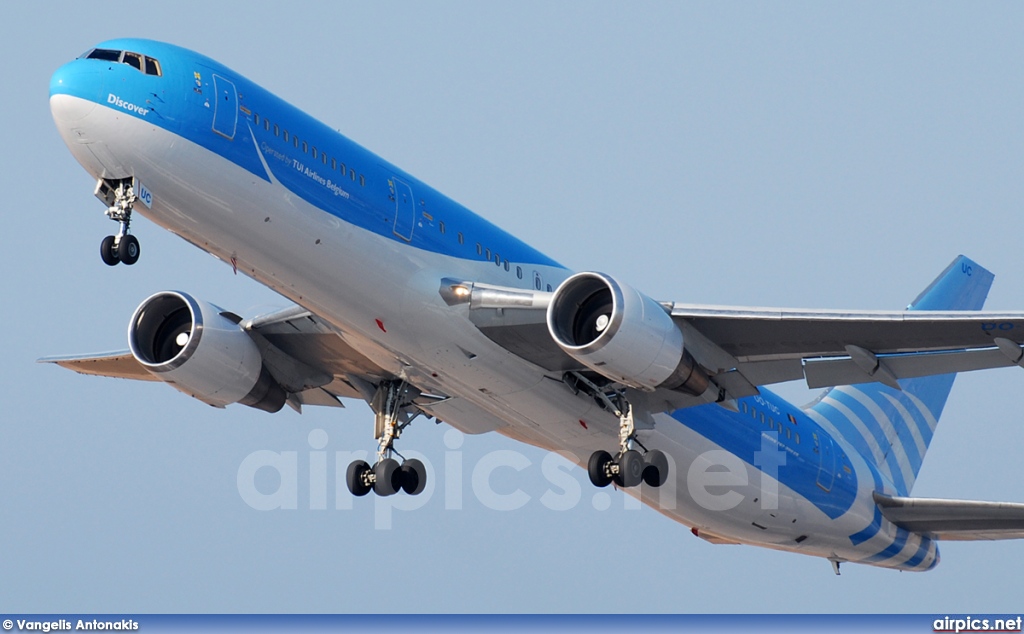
<point x="120" y="197"/>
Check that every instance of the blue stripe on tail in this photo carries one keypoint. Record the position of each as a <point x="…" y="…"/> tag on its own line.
<point x="894" y="428"/>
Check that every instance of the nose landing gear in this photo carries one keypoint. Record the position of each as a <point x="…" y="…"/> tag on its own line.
<point x="387" y="476"/>
<point x="120" y="197"/>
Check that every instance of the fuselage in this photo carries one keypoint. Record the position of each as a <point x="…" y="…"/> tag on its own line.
<point x="292" y="203"/>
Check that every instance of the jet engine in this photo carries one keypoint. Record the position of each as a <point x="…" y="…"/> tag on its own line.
<point x="622" y="334"/>
<point x="202" y="351"/>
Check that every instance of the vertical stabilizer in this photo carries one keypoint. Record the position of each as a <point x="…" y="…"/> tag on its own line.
<point x="895" y="427"/>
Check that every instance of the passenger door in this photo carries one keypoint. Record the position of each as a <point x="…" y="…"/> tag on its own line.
<point x="225" y="107"/>
<point x="405" y="209"/>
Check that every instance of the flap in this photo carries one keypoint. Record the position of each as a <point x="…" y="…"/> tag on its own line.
<point x="760" y="334"/>
<point x="827" y="372"/>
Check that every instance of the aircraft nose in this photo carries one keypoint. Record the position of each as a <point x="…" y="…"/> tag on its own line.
<point x="75" y="88"/>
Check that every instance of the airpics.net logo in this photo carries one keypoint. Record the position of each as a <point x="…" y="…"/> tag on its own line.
<point x="270" y="480"/>
<point x="978" y="624"/>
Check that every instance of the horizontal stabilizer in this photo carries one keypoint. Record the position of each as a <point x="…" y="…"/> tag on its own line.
<point x="954" y="520"/>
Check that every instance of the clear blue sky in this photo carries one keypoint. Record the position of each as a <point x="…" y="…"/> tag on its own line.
<point x="800" y="154"/>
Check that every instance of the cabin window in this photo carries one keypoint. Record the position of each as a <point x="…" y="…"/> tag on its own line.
<point x="462" y="240"/>
<point x="488" y="254"/>
<point x="314" y="152"/>
<point x="295" y="141"/>
<point x="362" y="180"/>
<point x="440" y="225"/>
<point x="305" y="147"/>
<point x="266" y="125"/>
<point x="334" y="163"/>
<point x="789" y="433"/>
<point x="256" y="118"/>
<point x="323" y="158"/>
<point x="549" y="288"/>
<point x="341" y="168"/>
<point x="277" y="130"/>
<point x="506" y="265"/>
<point x="796" y="436"/>
<point x="479" y="249"/>
<point x="284" y="135"/>
<point x="519" y="272"/>
<point x="353" y="175"/>
<point x="497" y="259"/>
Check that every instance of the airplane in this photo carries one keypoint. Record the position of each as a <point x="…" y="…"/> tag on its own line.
<point x="412" y="303"/>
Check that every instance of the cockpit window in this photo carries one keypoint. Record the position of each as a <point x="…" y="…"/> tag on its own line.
<point x="133" y="59"/>
<point x="137" y="61"/>
<point x="104" y="54"/>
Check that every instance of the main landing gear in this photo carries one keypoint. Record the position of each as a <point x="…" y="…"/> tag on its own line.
<point x="120" y="198"/>
<point x="629" y="467"/>
<point x="387" y="476"/>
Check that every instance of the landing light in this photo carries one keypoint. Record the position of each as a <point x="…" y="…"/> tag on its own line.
<point x="181" y="339"/>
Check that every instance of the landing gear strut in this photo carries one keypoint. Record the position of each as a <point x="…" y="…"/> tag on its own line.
<point x="629" y="467"/>
<point x="120" y="197"/>
<point x="387" y="476"/>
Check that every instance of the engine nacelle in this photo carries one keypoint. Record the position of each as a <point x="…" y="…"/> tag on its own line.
<point x="622" y="334"/>
<point x="193" y="346"/>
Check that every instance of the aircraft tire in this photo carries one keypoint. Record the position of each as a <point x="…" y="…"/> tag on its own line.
<point x="655" y="468"/>
<point x="387" y="477"/>
<point x="413" y="476"/>
<point x="107" y="252"/>
<point x="631" y="468"/>
<point x="354" y="478"/>
<point x="128" y="249"/>
<point x="596" y="468"/>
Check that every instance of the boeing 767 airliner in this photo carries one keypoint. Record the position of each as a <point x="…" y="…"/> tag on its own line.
<point x="411" y="302"/>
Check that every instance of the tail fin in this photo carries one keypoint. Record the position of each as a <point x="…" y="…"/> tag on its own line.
<point x="893" y="427"/>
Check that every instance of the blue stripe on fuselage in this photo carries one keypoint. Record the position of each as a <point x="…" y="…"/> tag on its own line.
<point x="740" y="433"/>
<point x="898" y="544"/>
<point x="867" y="419"/>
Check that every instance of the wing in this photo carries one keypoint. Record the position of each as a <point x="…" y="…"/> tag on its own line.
<point x="305" y="355"/>
<point x="120" y="364"/>
<point x="844" y="347"/>
<point x="743" y="348"/>
<point x="961" y="520"/>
